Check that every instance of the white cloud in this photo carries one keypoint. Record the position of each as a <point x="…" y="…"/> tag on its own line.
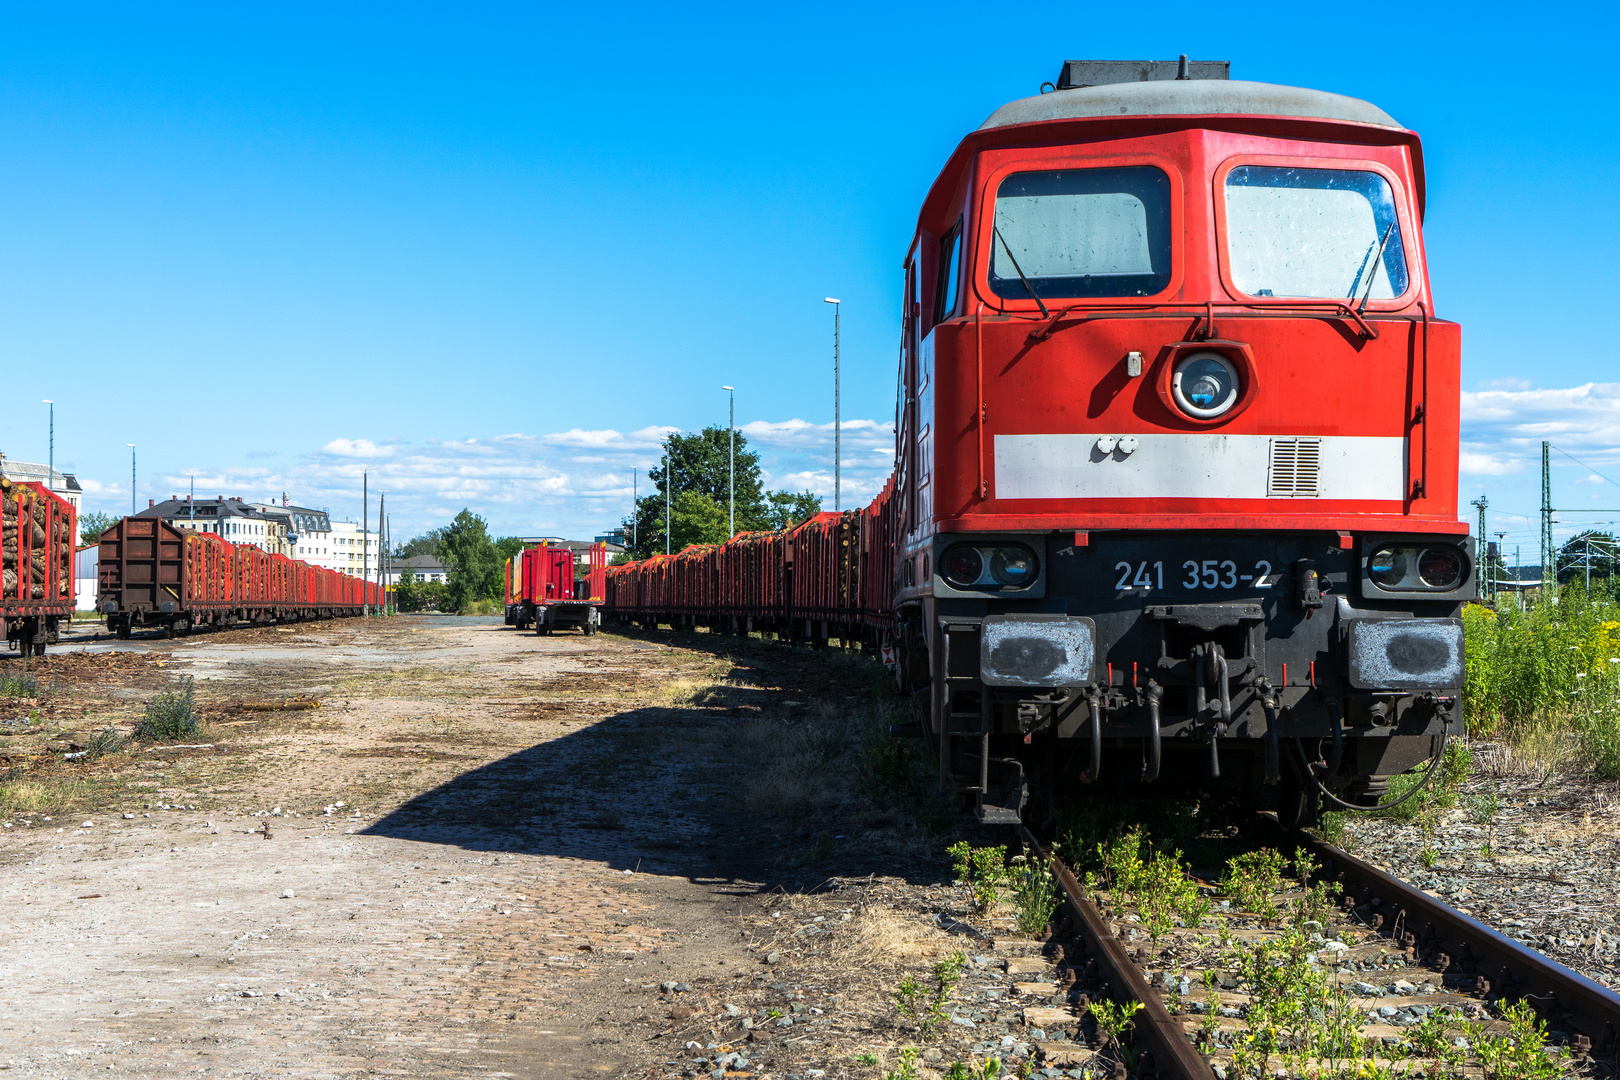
<point x="1502" y="430"/>
<point x="1474" y="464"/>
<point x="357" y="448"/>
<point x="576" y="482"/>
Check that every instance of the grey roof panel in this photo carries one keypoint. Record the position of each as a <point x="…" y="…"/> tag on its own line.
<point x="1190" y="97"/>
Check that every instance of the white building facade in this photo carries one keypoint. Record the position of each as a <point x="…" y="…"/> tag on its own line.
<point x="34" y="472"/>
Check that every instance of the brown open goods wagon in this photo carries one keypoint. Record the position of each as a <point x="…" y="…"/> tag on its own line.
<point x="37" y="533"/>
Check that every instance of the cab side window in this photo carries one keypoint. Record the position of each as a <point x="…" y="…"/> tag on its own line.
<point x="950" y="263"/>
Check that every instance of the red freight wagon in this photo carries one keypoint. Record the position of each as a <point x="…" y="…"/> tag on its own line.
<point x="38" y="534"/>
<point x="542" y="590"/>
<point x="153" y="574"/>
<point x="1174" y="505"/>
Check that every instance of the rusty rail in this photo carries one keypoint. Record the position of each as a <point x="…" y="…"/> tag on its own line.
<point x="1458" y="944"/>
<point x="1174" y="1055"/>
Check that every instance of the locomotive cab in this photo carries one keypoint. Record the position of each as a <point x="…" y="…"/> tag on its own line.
<point x="1177" y="450"/>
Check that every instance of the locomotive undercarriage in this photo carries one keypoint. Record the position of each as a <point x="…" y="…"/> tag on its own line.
<point x="1250" y="695"/>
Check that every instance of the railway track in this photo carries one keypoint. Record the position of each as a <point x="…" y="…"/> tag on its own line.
<point x="1464" y="979"/>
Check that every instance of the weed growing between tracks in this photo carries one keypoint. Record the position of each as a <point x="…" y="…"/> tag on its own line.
<point x="1292" y="985"/>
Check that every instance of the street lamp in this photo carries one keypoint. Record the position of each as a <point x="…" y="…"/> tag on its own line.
<point x="50" y="482"/>
<point x="131" y="477"/>
<point x="838" y="427"/>
<point x="731" y="432"/>
<point x="669" y="490"/>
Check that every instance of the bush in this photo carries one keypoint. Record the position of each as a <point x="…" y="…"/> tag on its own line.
<point x="104" y="742"/>
<point x="171" y="716"/>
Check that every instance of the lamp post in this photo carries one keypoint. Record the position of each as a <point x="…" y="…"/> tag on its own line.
<point x="669" y="490"/>
<point x="731" y="433"/>
<point x="50" y="482"/>
<point x="838" y="427"/>
<point x="131" y="476"/>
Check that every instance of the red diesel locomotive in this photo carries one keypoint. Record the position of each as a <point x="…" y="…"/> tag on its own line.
<point x="1175" y="498"/>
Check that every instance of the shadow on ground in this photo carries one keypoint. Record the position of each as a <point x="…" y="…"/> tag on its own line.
<point x="652" y="790"/>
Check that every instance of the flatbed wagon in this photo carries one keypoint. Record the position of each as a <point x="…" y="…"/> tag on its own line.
<point x="37" y="533"/>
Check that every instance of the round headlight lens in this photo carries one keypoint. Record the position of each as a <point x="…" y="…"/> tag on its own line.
<point x="1387" y="567"/>
<point x="963" y="565"/>
<point x="1440" y="567"/>
<point x="1013" y="567"/>
<point x="1204" y="385"/>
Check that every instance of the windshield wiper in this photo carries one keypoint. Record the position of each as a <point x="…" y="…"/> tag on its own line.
<point x="1372" y="274"/>
<point x="1014" y="260"/>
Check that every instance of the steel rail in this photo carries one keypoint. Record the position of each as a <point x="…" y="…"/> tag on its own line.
<point x="1175" y="1056"/>
<point x="1461" y="944"/>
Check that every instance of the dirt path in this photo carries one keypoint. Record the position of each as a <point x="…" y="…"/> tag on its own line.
<point x="456" y="864"/>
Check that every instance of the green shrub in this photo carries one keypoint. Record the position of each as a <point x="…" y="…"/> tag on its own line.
<point x="106" y="741"/>
<point x="170" y="716"/>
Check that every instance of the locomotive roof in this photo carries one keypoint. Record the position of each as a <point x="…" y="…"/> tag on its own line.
<point x="1187" y="97"/>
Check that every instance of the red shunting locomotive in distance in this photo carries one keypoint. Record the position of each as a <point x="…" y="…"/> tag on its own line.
<point x="1177" y="449"/>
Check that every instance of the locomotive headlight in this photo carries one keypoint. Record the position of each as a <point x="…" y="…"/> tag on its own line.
<point x="1440" y="567"/>
<point x="1204" y="385"/>
<point x="1013" y="567"/>
<point x="964" y="566"/>
<point x="1387" y="567"/>
<point x="1417" y="568"/>
<point x="990" y="567"/>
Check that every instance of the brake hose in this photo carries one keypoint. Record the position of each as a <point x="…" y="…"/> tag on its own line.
<point x="1434" y="763"/>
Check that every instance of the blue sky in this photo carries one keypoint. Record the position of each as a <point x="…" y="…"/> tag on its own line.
<point x="491" y="252"/>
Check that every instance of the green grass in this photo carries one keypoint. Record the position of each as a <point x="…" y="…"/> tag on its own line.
<point x="18" y="684"/>
<point x="1548" y="678"/>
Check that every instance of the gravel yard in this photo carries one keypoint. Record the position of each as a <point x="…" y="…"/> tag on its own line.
<point x="1538" y="858"/>
<point x="438" y="847"/>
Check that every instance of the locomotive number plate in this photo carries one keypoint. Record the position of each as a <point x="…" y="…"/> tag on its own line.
<point x="1194" y="575"/>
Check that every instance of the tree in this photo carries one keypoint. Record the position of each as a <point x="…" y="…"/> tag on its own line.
<point x="470" y="558"/>
<point x="700" y="467"/>
<point x="431" y="597"/>
<point x="91" y="526"/>
<point x="786" y="509"/>
<point x="406" y="592"/>
<point x="1593" y="551"/>
<point x="425" y="544"/>
<point x="505" y="548"/>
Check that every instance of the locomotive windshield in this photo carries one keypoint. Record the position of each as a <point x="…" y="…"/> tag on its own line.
<point x="1082" y="232"/>
<point x="1328" y="233"/>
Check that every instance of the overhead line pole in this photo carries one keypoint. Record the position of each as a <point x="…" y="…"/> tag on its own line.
<point x="731" y="433"/>
<point x="838" y="426"/>
<point x="1483" y="552"/>
<point x="365" y="515"/>
<point x="1548" y="557"/>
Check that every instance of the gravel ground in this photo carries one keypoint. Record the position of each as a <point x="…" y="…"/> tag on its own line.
<point x="1537" y="858"/>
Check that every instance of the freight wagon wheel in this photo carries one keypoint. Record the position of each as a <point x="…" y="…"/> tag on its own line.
<point x="123" y="631"/>
<point x="168" y="631"/>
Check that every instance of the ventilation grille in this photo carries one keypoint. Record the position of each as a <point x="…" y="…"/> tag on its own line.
<point x="1295" y="466"/>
